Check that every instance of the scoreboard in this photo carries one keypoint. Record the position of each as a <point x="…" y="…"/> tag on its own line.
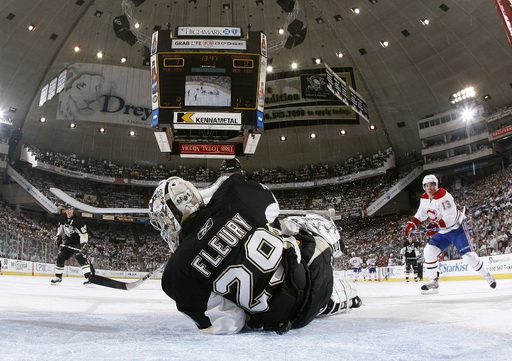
<point x="213" y="79"/>
<point x="208" y="91"/>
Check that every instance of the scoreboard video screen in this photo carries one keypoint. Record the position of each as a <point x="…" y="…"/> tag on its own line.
<point x="218" y="80"/>
<point x="208" y="90"/>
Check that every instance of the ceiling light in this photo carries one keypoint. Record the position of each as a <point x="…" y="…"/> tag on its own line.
<point x="226" y="6"/>
<point x="356" y="10"/>
<point x="343" y="132"/>
<point x="294" y="65"/>
<point x="31" y="27"/>
<point x="319" y="20"/>
<point x="384" y="43"/>
<point x="132" y="133"/>
<point x="136" y="25"/>
<point x="312" y="136"/>
<point x="99" y="54"/>
<point x="42" y="120"/>
<point x="373" y="2"/>
<point x="72" y="125"/>
<point x="76" y="48"/>
<point x="372" y="127"/>
<point x="338" y="17"/>
<point x="98" y="13"/>
<point x="102" y="130"/>
<point x="487" y="96"/>
<point x="339" y="54"/>
<point x="280" y="31"/>
<point x="283" y="138"/>
<point x="270" y="68"/>
<point x="259" y="2"/>
<point x="317" y="60"/>
<point x="425" y="21"/>
<point x="123" y="59"/>
<point x="467" y="114"/>
<point x="463" y="94"/>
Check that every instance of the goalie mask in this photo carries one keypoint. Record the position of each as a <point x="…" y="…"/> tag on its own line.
<point x="173" y="201"/>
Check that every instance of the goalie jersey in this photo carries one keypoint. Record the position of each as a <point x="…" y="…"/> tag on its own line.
<point x="231" y="267"/>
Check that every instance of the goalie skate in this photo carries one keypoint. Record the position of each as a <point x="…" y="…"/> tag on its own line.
<point x="431" y="287"/>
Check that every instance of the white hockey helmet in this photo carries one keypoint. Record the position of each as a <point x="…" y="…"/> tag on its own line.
<point x="430" y="178"/>
<point x="353" y="254"/>
<point x="173" y="201"/>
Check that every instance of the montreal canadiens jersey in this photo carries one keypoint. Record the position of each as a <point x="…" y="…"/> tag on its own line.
<point x="227" y="250"/>
<point x="355" y="262"/>
<point x="371" y="262"/>
<point x="441" y="207"/>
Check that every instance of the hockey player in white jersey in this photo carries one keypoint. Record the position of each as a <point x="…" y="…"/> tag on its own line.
<point x="447" y="226"/>
<point x="356" y="263"/>
<point x="372" y="267"/>
<point x="392" y="262"/>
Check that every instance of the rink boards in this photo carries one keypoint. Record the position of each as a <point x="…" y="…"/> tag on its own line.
<point x="500" y="266"/>
<point x="28" y="268"/>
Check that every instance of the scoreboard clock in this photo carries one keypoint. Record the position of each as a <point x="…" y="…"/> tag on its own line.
<point x="208" y="87"/>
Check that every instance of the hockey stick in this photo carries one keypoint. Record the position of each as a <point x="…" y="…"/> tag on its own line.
<point x="120" y="285"/>
<point x="458" y="222"/>
<point x="73" y="248"/>
<point x="111" y="283"/>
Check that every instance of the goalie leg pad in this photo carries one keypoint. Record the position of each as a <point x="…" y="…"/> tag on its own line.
<point x="315" y="225"/>
<point x="343" y="296"/>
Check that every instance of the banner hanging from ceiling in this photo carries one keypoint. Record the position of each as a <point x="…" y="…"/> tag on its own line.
<point x="107" y="94"/>
<point x="504" y="8"/>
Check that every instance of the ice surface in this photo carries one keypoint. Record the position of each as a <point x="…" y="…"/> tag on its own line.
<point x="467" y="320"/>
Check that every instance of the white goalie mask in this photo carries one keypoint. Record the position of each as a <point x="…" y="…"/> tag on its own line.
<point x="173" y="201"/>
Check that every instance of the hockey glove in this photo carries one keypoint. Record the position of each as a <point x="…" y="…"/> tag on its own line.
<point x="57" y="240"/>
<point x="84" y="248"/>
<point x="432" y="228"/>
<point x="410" y="226"/>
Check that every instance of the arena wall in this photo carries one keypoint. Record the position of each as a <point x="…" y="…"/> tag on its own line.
<point x="500" y="266"/>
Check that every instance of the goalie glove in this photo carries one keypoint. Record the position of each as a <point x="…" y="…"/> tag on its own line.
<point x="411" y="225"/>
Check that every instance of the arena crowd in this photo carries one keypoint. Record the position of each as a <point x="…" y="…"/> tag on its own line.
<point x="28" y="235"/>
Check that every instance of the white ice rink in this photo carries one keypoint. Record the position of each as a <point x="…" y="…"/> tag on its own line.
<point x="467" y="320"/>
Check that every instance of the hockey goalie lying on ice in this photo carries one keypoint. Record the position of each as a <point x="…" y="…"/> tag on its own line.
<point x="232" y="270"/>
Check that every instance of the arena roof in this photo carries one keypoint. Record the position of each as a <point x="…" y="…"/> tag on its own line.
<point x="465" y="44"/>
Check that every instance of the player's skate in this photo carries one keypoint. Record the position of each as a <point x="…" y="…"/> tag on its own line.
<point x="56" y="280"/>
<point x="88" y="283"/>
<point x="431" y="287"/>
<point x="490" y="280"/>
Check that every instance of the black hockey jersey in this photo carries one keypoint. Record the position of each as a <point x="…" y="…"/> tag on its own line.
<point x="228" y="250"/>
<point x="410" y="250"/>
<point x="74" y="229"/>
